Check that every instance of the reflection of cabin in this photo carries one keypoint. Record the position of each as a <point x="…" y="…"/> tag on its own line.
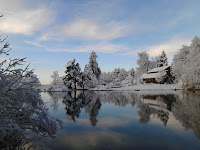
<point x="157" y="75"/>
<point x="159" y="101"/>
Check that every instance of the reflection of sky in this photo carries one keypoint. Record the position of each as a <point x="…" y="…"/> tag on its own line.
<point x="118" y="128"/>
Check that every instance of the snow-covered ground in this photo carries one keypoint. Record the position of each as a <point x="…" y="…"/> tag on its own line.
<point x="53" y="88"/>
<point x="142" y="87"/>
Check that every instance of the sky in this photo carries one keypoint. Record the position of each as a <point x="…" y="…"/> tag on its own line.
<point x="52" y="32"/>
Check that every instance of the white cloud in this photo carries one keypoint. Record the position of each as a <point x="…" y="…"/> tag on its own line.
<point x="19" y="19"/>
<point x="85" y="29"/>
<point x="171" y="47"/>
<point x="102" y="47"/>
<point x="33" y="43"/>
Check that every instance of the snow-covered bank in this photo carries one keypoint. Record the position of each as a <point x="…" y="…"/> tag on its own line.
<point x="52" y="88"/>
<point x="141" y="87"/>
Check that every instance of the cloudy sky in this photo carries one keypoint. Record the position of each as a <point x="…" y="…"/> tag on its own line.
<point x="50" y="33"/>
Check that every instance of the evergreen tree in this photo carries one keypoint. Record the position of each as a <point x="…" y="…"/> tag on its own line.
<point x="131" y="72"/>
<point x="73" y="74"/>
<point x="94" y="65"/>
<point x="162" y="60"/>
<point x="93" y="70"/>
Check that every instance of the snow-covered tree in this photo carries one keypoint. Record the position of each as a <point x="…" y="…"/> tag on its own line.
<point x="152" y="64"/>
<point x="186" y="64"/>
<point x="192" y="66"/>
<point x="85" y="80"/>
<point x="94" y="81"/>
<point x="56" y="79"/>
<point x="131" y="72"/>
<point x="33" y="79"/>
<point x="105" y="78"/>
<point x="179" y="62"/>
<point x="162" y="60"/>
<point x="22" y="111"/>
<point x="131" y="76"/>
<point x="73" y="74"/>
<point x="143" y="63"/>
<point x="122" y="74"/>
<point x="94" y="65"/>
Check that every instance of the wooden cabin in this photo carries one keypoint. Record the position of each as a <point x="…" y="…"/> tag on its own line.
<point x="157" y="75"/>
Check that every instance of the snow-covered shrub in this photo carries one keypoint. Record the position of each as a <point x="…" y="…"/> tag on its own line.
<point x="22" y="111"/>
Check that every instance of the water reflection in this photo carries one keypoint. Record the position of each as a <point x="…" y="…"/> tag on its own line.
<point x="184" y="105"/>
<point x="157" y="105"/>
<point x="187" y="111"/>
<point x="167" y="108"/>
<point x="75" y="101"/>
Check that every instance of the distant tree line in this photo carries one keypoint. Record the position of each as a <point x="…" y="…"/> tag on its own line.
<point x="184" y="67"/>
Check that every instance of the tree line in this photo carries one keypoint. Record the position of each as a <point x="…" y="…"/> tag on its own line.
<point x="184" y="68"/>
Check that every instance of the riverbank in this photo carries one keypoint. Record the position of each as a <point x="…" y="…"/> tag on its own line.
<point x="140" y="87"/>
<point x="52" y="88"/>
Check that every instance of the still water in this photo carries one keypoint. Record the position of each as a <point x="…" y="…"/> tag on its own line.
<point x="125" y="120"/>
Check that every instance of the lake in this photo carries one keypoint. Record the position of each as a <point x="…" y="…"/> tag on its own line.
<point x="125" y="120"/>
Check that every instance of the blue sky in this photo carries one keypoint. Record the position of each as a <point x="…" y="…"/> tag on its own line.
<point x="50" y="33"/>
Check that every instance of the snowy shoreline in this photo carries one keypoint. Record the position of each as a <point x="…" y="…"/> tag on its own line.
<point x="52" y="88"/>
<point x="138" y="87"/>
<point x="141" y="87"/>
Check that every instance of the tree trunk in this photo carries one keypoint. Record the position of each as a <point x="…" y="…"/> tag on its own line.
<point x="75" y="85"/>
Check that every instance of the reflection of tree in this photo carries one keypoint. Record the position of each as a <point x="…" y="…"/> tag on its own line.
<point x="55" y="97"/>
<point x="144" y="114"/>
<point x="76" y="101"/>
<point x="92" y="108"/>
<point x="157" y="105"/>
<point x="164" y="116"/>
<point x="18" y="142"/>
<point x="54" y="101"/>
<point x="187" y="111"/>
<point x="117" y="98"/>
<point x="73" y="104"/>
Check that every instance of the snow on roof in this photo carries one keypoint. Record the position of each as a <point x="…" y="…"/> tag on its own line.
<point x="158" y="69"/>
<point x="153" y="75"/>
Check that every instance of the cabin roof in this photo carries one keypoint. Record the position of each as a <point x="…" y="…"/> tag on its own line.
<point x="153" y="75"/>
<point x="159" y="69"/>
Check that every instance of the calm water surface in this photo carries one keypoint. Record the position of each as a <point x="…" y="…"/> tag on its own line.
<point x="125" y="120"/>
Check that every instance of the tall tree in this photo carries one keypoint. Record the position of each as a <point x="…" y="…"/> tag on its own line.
<point x="143" y="63"/>
<point x="73" y="74"/>
<point x="122" y="74"/>
<point x="56" y="79"/>
<point x="162" y="60"/>
<point x="186" y="64"/>
<point x="178" y="62"/>
<point x="94" y="65"/>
